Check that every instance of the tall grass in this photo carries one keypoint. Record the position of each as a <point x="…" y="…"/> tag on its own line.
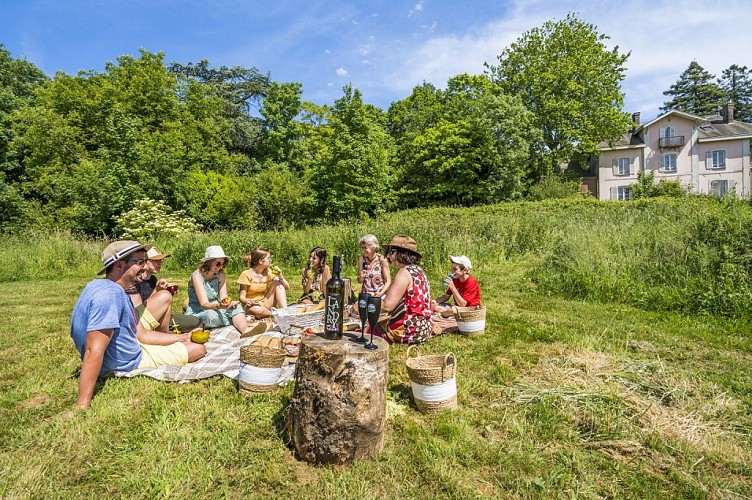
<point x="692" y="254"/>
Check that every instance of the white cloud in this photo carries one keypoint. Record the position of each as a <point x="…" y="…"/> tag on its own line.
<point x="663" y="38"/>
<point x="418" y="8"/>
<point x="342" y="72"/>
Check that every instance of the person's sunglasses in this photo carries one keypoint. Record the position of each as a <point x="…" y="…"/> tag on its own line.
<point x="138" y="262"/>
<point x="219" y="264"/>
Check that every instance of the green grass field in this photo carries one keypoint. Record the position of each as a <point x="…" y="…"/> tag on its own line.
<point x="561" y="397"/>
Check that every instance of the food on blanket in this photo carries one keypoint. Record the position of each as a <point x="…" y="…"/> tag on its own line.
<point x="226" y="301"/>
<point x="308" y="331"/>
<point x="318" y="306"/>
<point x="200" y="336"/>
<point x="302" y="309"/>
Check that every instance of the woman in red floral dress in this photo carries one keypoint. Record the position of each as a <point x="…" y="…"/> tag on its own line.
<point x="408" y="300"/>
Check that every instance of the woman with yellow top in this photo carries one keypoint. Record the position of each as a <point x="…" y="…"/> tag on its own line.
<point x="262" y="287"/>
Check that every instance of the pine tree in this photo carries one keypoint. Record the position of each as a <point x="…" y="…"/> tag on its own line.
<point x="695" y="92"/>
<point x="736" y="81"/>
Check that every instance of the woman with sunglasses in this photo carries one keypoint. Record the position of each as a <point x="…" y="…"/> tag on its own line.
<point x="262" y="288"/>
<point x="207" y="293"/>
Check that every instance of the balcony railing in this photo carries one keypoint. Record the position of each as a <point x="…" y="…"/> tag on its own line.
<point x="675" y="141"/>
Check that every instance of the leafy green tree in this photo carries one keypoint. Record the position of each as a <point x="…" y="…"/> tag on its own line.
<point x="736" y="81"/>
<point x="18" y="81"/>
<point x="556" y="186"/>
<point x="283" y="198"/>
<point x="220" y="201"/>
<point x="351" y="175"/>
<point x="93" y="143"/>
<point x="469" y="144"/>
<point x="694" y="92"/>
<point x="570" y="80"/>
<point x="239" y="89"/>
<point x="281" y="132"/>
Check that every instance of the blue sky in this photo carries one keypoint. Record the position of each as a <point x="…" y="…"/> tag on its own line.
<point x="382" y="47"/>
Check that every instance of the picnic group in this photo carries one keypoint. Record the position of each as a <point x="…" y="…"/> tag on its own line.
<point x="125" y="322"/>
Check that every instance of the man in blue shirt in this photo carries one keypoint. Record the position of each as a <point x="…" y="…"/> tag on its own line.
<point x="106" y="330"/>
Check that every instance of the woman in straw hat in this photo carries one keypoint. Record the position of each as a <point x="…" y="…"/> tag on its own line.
<point x="207" y="293"/>
<point x="408" y="300"/>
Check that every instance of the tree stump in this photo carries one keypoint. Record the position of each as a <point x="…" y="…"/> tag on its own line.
<point x="337" y="413"/>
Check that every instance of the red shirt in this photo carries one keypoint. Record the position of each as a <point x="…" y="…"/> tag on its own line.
<point x="468" y="289"/>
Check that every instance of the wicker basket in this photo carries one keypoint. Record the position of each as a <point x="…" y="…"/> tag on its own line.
<point x="291" y="322"/>
<point x="471" y="320"/>
<point x="260" y="366"/>
<point x="433" y="380"/>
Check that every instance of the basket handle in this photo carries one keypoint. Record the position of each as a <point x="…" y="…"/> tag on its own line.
<point x="449" y="359"/>
<point x="410" y="348"/>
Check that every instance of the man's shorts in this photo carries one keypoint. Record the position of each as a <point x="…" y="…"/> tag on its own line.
<point x="153" y="356"/>
<point x="146" y="318"/>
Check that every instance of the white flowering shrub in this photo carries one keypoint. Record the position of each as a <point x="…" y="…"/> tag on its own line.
<point x="149" y="218"/>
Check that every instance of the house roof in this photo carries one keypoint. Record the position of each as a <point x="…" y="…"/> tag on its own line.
<point x="711" y="128"/>
<point x="716" y="129"/>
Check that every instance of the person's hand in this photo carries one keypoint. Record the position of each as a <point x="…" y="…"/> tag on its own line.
<point x="186" y="337"/>
<point x="162" y="284"/>
<point x="232" y="304"/>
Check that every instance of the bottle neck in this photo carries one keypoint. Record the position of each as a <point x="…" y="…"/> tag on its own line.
<point x="336" y="265"/>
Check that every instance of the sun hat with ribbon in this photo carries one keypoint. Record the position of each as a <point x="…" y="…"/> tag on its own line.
<point x="214" y="252"/>
<point x="404" y="242"/>
<point x="118" y="250"/>
<point x="154" y="254"/>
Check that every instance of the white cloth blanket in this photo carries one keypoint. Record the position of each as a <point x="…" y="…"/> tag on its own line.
<point x="222" y="358"/>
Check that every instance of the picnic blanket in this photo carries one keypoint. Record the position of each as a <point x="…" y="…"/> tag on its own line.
<point x="444" y="325"/>
<point x="222" y="358"/>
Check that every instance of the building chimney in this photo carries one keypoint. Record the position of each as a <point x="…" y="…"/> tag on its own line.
<point x="727" y="112"/>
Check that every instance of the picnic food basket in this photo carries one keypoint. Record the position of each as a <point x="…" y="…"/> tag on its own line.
<point x="293" y="319"/>
<point x="471" y="320"/>
<point x="432" y="378"/>
<point x="260" y="365"/>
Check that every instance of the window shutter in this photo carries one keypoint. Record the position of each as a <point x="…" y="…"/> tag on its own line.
<point x="662" y="164"/>
<point x="632" y="167"/>
<point x="708" y="160"/>
<point x="615" y="167"/>
<point x="715" y="188"/>
<point x="613" y="193"/>
<point x="732" y="187"/>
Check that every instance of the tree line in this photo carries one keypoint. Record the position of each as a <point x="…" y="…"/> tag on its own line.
<point x="230" y="148"/>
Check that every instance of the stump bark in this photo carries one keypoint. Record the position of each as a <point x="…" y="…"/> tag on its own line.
<point x="337" y="414"/>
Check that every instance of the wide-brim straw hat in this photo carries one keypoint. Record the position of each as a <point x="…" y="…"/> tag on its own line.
<point x="118" y="250"/>
<point x="403" y="242"/>
<point x="214" y="252"/>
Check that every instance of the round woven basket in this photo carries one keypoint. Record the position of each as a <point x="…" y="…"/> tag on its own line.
<point x="432" y="370"/>
<point x="261" y="357"/>
<point x="471" y="320"/>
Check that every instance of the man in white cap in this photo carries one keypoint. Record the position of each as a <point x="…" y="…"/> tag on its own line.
<point x="460" y="285"/>
<point x="104" y="324"/>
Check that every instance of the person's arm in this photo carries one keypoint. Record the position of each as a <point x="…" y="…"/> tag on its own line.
<point x="327" y="275"/>
<point x="243" y="296"/>
<point x="223" y="292"/>
<point x="281" y="280"/>
<point x="386" y="274"/>
<point x="96" y="344"/>
<point x="459" y="300"/>
<point x="402" y="281"/>
<point x="305" y="281"/>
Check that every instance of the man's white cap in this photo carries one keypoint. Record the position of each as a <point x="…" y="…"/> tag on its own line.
<point x="461" y="260"/>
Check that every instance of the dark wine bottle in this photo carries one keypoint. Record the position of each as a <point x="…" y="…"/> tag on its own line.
<point x="335" y="303"/>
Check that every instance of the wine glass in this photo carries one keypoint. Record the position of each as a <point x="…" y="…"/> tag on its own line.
<point x="363" y="298"/>
<point x="374" y="310"/>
